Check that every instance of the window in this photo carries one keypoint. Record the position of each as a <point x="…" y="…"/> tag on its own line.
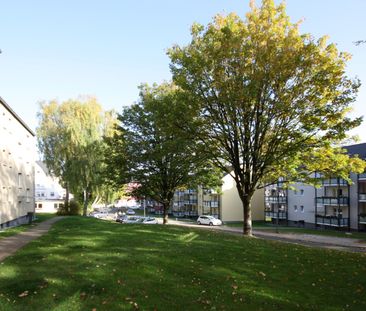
<point x="295" y="208"/>
<point x="20" y="180"/>
<point x="52" y="194"/>
<point x="301" y="191"/>
<point x="55" y="206"/>
<point x="40" y="205"/>
<point x="302" y="208"/>
<point x="27" y="196"/>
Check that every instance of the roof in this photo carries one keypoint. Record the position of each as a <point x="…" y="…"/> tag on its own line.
<point x="359" y="149"/>
<point x="7" y="107"/>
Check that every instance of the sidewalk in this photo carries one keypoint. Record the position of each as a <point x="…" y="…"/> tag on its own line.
<point x="9" y="245"/>
<point x="312" y="240"/>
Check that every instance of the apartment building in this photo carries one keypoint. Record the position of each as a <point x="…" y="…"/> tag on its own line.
<point x="225" y="205"/>
<point x="336" y="203"/>
<point x="17" y="157"/>
<point x="49" y="194"/>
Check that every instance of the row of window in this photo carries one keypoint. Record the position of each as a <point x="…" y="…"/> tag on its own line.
<point x="55" y="206"/>
<point x="302" y="209"/>
<point x="42" y="194"/>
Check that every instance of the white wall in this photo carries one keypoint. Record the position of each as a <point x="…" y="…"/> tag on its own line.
<point x="17" y="157"/>
<point x="231" y="205"/>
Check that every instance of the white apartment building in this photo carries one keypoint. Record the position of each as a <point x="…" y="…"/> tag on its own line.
<point x="17" y="157"/>
<point x="335" y="204"/>
<point x="49" y="193"/>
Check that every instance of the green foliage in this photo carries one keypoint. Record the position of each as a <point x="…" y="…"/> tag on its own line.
<point x="73" y="268"/>
<point x="270" y="102"/>
<point x="70" y="138"/>
<point x="75" y="208"/>
<point x="62" y="210"/>
<point x="150" y="148"/>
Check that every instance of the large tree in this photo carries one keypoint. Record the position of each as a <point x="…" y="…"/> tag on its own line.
<point x="270" y="101"/>
<point x="70" y="138"/>
<point x="150" y="149"/>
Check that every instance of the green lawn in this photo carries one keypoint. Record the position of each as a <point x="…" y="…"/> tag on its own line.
<point x="86" y="264"/>
<point x="267" y="227"/>
<point x="15" y="230"/>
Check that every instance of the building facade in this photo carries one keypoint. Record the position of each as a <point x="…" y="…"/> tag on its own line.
<point x="225" y="205"/>
<point x="49" y="194"/>
<point x="17" y="158"/>
<point x="335" y="204"/>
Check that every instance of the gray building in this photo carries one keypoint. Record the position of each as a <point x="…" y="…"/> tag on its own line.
<point x="335" y="204"/>
<point x="17" y="158"/>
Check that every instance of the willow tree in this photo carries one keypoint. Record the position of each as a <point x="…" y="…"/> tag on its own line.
<point x="270" y="101"/>
<point x="150" y="150"/>
<point x="70" y="139"/>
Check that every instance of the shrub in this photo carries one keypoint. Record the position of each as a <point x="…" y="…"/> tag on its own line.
<point x="75" y="208"/>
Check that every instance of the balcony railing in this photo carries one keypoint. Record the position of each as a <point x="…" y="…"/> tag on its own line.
<point x="333" y="221"/>
<point x="275" y="199"/>
<point x="332" y="200"/>
<point x="334" y="182"/>
<point x="362" y="176"/>
<point x="279" y="215"/>
<point x="362" y="219"/>
<point x="362" y="196"/>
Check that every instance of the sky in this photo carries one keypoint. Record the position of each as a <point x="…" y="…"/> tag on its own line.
<point x="63" y="49"/>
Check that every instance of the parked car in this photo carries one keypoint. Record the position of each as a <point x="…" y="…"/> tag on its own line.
<point x="130" y="212"/>
<point x="208" y="220"/>
<point x="148" y="220"/>
<point x="131" y="220"/>
<point x="102" y="214"/>
<point x="121" y="218"/>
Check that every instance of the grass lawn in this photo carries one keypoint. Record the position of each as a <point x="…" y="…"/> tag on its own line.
<point x="284" y="229"/>
<point x="90" y="264"/>
<point x="15" y="230"/>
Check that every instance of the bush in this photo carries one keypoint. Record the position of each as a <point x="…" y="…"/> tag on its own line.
<point x="62" y="210"/>
<point x="75" y="208"/>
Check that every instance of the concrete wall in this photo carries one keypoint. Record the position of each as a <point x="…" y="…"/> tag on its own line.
<point x="231" y="205"/>
<point x="17" y="157"/>
<point x="302" y="195"/>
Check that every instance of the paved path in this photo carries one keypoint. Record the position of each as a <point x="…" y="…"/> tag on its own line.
<point x="9" y="245"/>
<point x="312" y="240"/>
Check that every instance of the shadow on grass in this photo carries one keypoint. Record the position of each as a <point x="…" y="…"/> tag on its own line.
<point x="84" y="263"/>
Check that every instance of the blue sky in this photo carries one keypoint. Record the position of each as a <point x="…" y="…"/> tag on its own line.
<point x="62" y="49"/>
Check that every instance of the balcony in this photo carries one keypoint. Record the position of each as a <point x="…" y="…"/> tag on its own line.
<point x="362" y="219"/>
<point x="332" y="221"/>
<point x="275" y="199"/>
<point x="362" y="197"/>
<point x="334" y="182"/>
<point x="332" y="201"/>
<point x="279" y="215"/>
<point x="362" y="176"/>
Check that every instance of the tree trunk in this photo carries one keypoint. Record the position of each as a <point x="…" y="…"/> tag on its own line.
<point x="67" y="200"/>
<point x="165" y="213"/>
<point x="85" y="208"/>
<point x="247" y="211"/>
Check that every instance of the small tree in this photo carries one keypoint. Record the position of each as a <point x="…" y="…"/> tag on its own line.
<point x="150" y="150"/>
<point x="270" y="102"/>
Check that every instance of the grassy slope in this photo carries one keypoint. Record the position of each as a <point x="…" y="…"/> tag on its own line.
<point x="15" y="230"/>
<point x="84" y="263"/>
